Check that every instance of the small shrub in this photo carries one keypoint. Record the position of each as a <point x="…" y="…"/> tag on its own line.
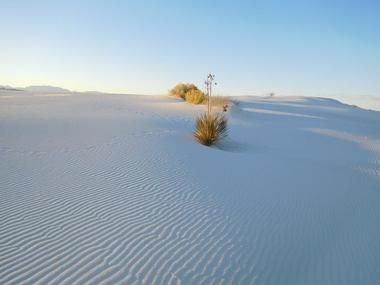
<point x="181" y="89"/>
<point x="194" y="96"/>
<point x="210" y="128"/>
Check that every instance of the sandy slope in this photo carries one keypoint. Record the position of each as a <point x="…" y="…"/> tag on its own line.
<point x="111" y="189"/>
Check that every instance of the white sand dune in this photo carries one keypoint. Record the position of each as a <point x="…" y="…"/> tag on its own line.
<point x="111" y="189"/>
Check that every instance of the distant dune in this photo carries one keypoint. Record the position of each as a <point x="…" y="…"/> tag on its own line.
<point x="36" y="89"/>
<point x="8" y="88"/>
<point x="365" y="102"/>
<point x="362" y="101"/>
<point x="46" y="89"/>
<point x="112" y="189"/>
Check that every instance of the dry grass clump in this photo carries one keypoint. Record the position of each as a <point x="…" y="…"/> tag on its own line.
<point x="195" y="96"/>
<point x="181" y="89"/>
<point x="188" y="92"/>
<point x="210" y="128"/>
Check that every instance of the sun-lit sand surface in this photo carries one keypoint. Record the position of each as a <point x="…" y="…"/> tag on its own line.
<point x="111" y="189"/>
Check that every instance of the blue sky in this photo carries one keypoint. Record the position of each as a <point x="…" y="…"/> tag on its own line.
<point x="253" y="47"/>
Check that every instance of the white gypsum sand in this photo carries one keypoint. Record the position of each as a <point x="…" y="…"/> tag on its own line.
<point x="112" y="189"/>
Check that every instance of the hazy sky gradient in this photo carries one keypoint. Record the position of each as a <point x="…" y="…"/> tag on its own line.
<point x="321" y="47"/>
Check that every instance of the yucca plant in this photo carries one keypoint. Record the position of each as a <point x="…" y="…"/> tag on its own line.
<point x="210" y="128"/>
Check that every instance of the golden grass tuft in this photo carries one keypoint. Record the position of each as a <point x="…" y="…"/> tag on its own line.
<point x="195" y="96"/>
<point x="210" y="128"/>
